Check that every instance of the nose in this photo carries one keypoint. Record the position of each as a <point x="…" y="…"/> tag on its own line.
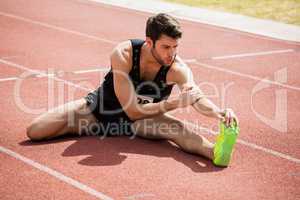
<point x="172" y="52"/>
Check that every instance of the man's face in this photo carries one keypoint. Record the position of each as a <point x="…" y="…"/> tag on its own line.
<point x="164" y="50"/>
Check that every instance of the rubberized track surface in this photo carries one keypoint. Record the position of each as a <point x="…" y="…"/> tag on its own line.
<point x="70" y="36"/>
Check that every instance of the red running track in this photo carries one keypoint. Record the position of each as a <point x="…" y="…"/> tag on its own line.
<point x="69" y="36"/>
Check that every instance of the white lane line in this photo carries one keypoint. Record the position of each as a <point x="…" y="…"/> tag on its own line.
<point x="52" y="75"/>
<point x="278" y="154"/>
<point x="8" y="79"/>
<point x="114" y="42"/>
<point x="45" y="75"/>
<point x="140" y="196"/>
<point x="42" y="74"/>
<point x="270" y="151"/>
<point x="56" y="174"/>
<point x="58" y="28"/>
<point x="249" y="144"/>
<point x="92" y="70"/>
<point x="9" y="57"/>
<point x="253" y="54"/>
<point x="246" y="76"/>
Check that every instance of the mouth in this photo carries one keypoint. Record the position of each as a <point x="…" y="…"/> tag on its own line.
<point x="169" y="60"/>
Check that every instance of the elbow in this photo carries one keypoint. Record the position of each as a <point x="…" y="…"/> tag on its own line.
<point x="135" y="114"/>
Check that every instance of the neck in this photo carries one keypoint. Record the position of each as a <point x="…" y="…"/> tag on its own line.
<point x="149" y="56"/>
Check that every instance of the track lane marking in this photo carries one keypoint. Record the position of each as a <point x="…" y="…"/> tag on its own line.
<point x="56" y="174"/>
<point x="106" y="69"/>
<point x="249" y="144"/>
<point x="58" y="28"/>
<point x="43" y="74"/>
<point x="114" y="42"/>
<point x="91" y="70"/>
<point x="262" y="53"/>
<point x="9" y="79"/>
<point x="246" y="75"/>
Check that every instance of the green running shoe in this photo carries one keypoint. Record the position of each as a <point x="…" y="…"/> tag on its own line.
<point x="225" y="143"/>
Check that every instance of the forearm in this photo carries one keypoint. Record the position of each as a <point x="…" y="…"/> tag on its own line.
<point x="208" y="108"/>
<point x="152" y="109"/>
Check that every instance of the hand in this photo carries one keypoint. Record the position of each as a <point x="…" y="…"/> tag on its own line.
<point x="228" y="117"/>
<point x="189" y="96"/>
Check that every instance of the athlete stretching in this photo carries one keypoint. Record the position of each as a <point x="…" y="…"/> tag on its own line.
<point x="133" y="98"/>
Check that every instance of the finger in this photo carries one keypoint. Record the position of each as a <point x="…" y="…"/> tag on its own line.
<point x="223" y="119"/>
<point x="232" y="118"/>
<point x="194" y="91"/>
<point x="194" y="95"/>
<point x="198" y="97"/>
<point x="236" y="120"/>
<point x="226" y="118"/>
<point x="188" y="88"/>
<point x="231" y="121"/>
<point x="222" y="116"/>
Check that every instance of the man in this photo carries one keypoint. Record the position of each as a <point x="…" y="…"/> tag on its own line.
<point x="133" y="98"/>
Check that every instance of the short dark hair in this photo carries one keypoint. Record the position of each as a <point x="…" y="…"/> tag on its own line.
<point x="163" y="24"/>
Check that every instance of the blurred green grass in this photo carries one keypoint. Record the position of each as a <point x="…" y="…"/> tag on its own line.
<point x="286" y="11"/>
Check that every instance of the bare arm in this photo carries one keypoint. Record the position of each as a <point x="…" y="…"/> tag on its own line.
<point x="184" y="79"/>
<point x="124" y="89"/>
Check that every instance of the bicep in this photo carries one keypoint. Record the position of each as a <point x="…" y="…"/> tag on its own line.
<point x="123" y="86"/>
<point x="124" y="89"/>
<point x="184" y="78"/>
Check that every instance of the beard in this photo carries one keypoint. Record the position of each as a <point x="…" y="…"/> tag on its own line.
<point x="159" y="59"/>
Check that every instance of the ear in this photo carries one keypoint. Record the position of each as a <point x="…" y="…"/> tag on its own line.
<point x="149" y="42"/>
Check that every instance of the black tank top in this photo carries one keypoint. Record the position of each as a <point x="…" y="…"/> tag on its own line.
<point x="147" y="91"/>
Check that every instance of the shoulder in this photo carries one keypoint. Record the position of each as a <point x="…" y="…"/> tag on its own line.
<point x="180" y="72"/>
<point x="121" y="56"/>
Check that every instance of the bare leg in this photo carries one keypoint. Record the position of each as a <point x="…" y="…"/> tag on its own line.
<point x="170" y="128"/>
<point x="60" y="121"/>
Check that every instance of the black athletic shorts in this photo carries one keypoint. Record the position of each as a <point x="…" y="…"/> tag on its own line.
<point x="109" y="124"/>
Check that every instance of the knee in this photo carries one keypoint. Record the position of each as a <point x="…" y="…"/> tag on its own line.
<point x="32" y="132"/>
